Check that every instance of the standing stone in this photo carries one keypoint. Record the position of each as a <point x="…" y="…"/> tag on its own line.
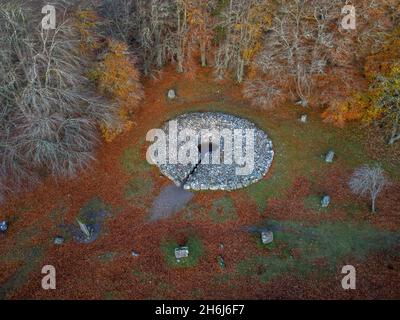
<point x="171" y="94"/>
<point x="329" y="156"/>
<point x="267" y="237"/>
<point x="326" y="200"/>
<point x="3" y="226"/>
<point x="135" y="254"/>
<point x="302" y="102"/>
<point x="181" y="252"/>
<point x="303" y="118"/>
<point x="58" y="240"/>
<point x="221" y="262"/>
<point x="85" y="230"/>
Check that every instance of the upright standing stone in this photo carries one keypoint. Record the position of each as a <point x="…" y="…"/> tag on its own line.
<point x="3" y="226"/>
<point x="302" y="102"/>
<point x="221" y="262"/>
<point x="267" y="237"/>
<point x="85" y="230"/>
<point x="135" y="254"/>
<point x="329" y="156"/>
<point x="326" y="200"/>
<point x="303" y="118"/>
<point x="171" y="94"/>
<point x="58" y="240"/>
<point x="181" y="252"/>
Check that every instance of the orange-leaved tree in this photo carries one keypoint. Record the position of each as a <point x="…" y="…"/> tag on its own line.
<point x="117" y="78"/>
<point x="381" y="101"/>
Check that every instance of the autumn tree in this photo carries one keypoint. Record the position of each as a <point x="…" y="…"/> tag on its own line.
<point x="297" y="49"/>
<point x="118" y="79"/>
<point x="49" y="111"/>
<point x="242" y="24"/>
<point x="378" y="100"/>
<point x="201" y="26"/>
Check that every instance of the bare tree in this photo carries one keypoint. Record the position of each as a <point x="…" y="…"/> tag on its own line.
<point x="48" y="110"/>
<point x="368" y="181"/>
<point x="243" y="23"/>
<point x="298" y="44"/>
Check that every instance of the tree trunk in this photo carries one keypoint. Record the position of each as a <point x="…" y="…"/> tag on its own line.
<point x="373" y="206"/>
<point x="203" y="54"/>
<point x="240" y="71"/>
<point x="179" y="69"/>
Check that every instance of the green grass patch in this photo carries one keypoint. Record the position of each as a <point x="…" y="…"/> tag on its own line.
<point x="107" y="256"/>
<point x="144" y="277"/>
<point x="327" y="242"/>
<point x="138" y="189"/>
<point x="132" y="162"/>
<point x="223" y="210"/>
<point x="354" y="208"/>
<point x="87" y="214"/>
<point x="194" y="212"/>
<point x="195" y="252"/>
<point x="32" y="257"/>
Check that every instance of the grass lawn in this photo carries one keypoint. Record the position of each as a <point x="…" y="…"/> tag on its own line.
<point x="325" y="243"/>
<point x="195" y="252"/>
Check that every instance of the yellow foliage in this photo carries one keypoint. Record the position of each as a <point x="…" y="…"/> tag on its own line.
<point x="355" y="108"/>
<point x="383" y="61"/>
<point x="118" y="79"/>
<point x="85" y="22"/>
<point x="260" y="18"/>
<point x="367" y="106"/>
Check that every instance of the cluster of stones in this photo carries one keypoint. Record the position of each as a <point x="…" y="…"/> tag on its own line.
<point x="329" y="157"/>
<point x="219" y="176"/>
<point x="326" y="199"/>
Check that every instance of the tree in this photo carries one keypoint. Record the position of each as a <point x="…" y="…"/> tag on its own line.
<point x="378" y="100"/>
<point x="242" y="24"/>
<point x="368" y="181"/>
<point x="386" y="102"/>
<point x="118" y="79"/>
<point x="49" y="111"/>
<point x="201" y="24"/>
<point x="297" y="50"/>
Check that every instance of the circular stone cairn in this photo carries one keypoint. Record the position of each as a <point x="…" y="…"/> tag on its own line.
<point x="218" y="176"/>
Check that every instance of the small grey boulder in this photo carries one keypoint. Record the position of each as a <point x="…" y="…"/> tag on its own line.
<point x="58" y="240"/>
<point x="303" y="118"/>
<point x="171" y="94"/>
<point x="267" y="237"/>
<point x="325" y="201"/>
<point x="181" y="252"/>
<point x="329" y="156"/>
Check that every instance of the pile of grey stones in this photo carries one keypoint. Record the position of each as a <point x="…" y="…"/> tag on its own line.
<point x="222" y="176"/>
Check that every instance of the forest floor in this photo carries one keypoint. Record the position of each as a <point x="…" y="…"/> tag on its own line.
<point x="304" y="262"/>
